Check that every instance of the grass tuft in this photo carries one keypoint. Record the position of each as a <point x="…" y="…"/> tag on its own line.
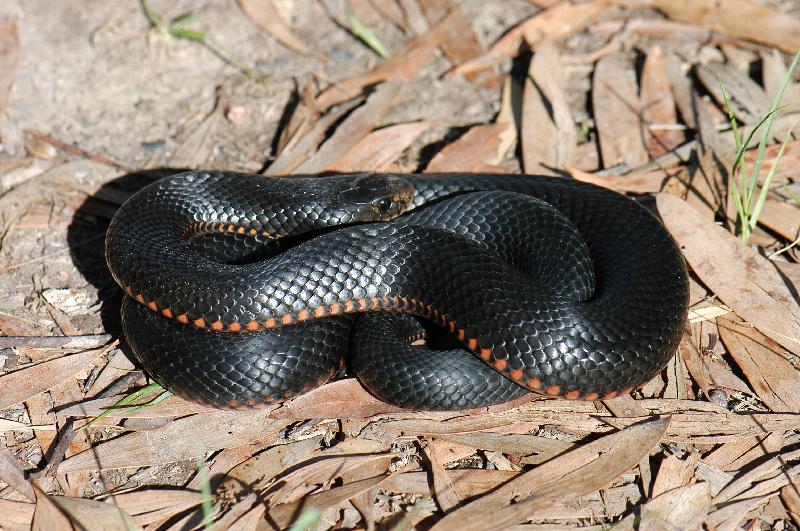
<point x="744" y="184"/>
<point x="176" y="29"/>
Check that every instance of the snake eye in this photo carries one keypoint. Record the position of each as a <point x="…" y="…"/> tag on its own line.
<point x="383" y="204"/>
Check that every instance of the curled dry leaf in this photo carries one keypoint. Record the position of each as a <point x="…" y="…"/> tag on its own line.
<point x="577" y="472"/>
<point x="23" y="384"/>
<point x="266" y="15"/>
<point x="743" y="279"/>
<point x="617" y="112"/>
<point x="554" y="23"/>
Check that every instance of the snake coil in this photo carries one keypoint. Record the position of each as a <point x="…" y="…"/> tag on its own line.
<point x="245" y="289"/>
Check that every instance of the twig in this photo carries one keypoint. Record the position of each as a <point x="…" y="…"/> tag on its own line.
<point x="74" y="150"/>
<point x="85" y="341"/>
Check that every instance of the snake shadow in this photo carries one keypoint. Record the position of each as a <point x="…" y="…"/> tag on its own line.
<point x="86" y="238"/>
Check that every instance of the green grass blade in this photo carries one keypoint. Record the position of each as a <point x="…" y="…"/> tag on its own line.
<point x="309" y="519"/>
<point x="366" y="35"/>
<point x="762" y="196"/>
<point x="120" y="404"/>
<point x="762" y="145"/>
<point x="205" y="490"/>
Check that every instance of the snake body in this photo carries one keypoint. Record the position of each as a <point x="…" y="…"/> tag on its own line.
<point x="246" y="289"/>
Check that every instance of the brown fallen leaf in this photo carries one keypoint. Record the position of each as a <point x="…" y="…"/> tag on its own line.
<point x="296" y="484"/>
<point x="477" y="150"/>
<point x="577" y="472"/>
<point x="284" y="514"/>
<point x="48" y="516"/>
<point x="535" y="449"/>
<point x="339" y="399"/>
<point x="675" y="510"/>
<point x="355" y="127"/>
<point x="466" y="482"/>
<point x="150" y="507"/>
<point x="749" y="102"/>
<point x="19" y="386"/>
<point x="790" y="496"/>
<point x="266" y="15"/>
<point x="772" y="376"/>
<point x="12" y="474"/>
<point x="662" y="132"/>
<point x="742" y="18"/>
<point x="548" y="132"/>
<point x="443" y="491"/>
<point x="459" y="42"/>
<point x="402" y="67"/>
<point x="781" y="217"/>
<point x="617" y="112"/>
<point x="17" y="516"/>
<point x="674" y="472"/>
<point x="744" y="280"/>
<point x="196" y="148"/>
<point x="91" y="514"/>
<point x="554" y="23"/>
<point x="297" y="152"/>
<point x="675" y="31"/>
<point x="641" y="183"/>
<point x="379" y="149"/>
<point x="178" y="440"/>
<point x="173" y="406"/>
<point x="9" y="58"/>
<point x="773" y="472"/>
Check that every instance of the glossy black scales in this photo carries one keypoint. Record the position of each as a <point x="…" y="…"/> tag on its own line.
<point x="559" y="286"/>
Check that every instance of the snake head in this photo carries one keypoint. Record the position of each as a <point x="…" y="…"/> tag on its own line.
<point x="374" y="197"/>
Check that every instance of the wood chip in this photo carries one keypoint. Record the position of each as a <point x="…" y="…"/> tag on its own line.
<point x="674" y="473"/>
